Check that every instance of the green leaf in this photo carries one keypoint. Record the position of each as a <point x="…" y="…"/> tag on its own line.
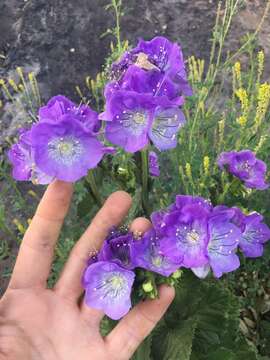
<point x="174" y="344"/>
<point x="144" y="350"/>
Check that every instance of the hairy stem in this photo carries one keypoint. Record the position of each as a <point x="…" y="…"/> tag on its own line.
<point x="93" y="186"/>
<point x="145" y="198"/>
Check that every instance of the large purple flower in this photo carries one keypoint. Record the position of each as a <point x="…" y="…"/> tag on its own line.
<point x="147" y="254"/>
<point x="152" y="83"/>
<point x="185" y="235"/>
<point x="108" y="287"/>
<point x="245" y="166"/>
<point x="158" y="55"/>
<point x="64" y="149"/>
<point x="255" y="233"/>
<point x="224" y="237"/>
<point x="22" y="159"/>
<point x="59" y="105"/>
<point x="134" y="119"/>
<point x="116" y="248"/>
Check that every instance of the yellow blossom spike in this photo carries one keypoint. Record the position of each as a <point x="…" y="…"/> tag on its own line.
<point x="201" y="64"/>
<point x="19" y="226"/>
<point x="6" y="90"/>
<point x="13" y="85"/>
<point x="260" y="59"/>
<point x="243" y="97"/>
<point x="242" y="120"/>
<point x="188" y="170"/>
<point x="34" y="86"/>
<point x="237" y="71"/>
<point x="206" y="164"/>
<point x="221" y="126"/>
<point x="263" y="99"/>
<point x="21" y="87"/>
<point x="29" y="221"/>
<point x="262" y="140"/>
<point x="33" y="194"/>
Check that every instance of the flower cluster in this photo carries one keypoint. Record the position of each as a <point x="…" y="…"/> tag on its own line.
<point x="142" y="100"/>
<point x="191" y="233"/>
<point x="245" y="166"/>
<point x="63" y="144"/>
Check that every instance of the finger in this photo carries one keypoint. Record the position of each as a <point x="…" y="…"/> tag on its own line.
<point x="111" y="214"/>
<point x="138" y="323"/>
<point x="140" y="225"/>
<point x="93" y="316"/>
<point x="33" y="263"/>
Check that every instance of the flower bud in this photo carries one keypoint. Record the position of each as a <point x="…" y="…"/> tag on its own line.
<point x="147" y="286"/>
<point x="177" y="274"/>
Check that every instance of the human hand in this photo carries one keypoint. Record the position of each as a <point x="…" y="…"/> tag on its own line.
<point x="37" y="323"/>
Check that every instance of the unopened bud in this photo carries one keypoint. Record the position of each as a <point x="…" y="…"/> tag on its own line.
<point x="147" y="287"/>
<point x="177" y="274"/>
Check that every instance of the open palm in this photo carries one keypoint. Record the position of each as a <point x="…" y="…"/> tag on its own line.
<point x="39" y="323"/>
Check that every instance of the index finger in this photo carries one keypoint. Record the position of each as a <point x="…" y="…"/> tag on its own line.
<point x="35" y="256"/>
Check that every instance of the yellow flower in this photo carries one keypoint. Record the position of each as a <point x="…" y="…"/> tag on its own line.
<point x="242" y="120"/>
<point x="243" y="97"/>
<point x="206" y="163"/>
<point x="263" y="102"/>
<point x="237" y="71"/>
<point x="260" y="58"/>
<point x="188" y="170"/>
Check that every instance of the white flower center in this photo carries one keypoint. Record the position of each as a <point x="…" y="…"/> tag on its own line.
<point x="65" y="150"/>
<point x="193" y="236"/>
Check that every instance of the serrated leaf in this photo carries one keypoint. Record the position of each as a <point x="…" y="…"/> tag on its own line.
<point x="144" y="350"/>
<point x="174" y="343"/>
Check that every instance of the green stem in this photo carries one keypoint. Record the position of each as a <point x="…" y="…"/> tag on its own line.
<point x="117" y="8"/>
<point x="93" y="185"/>
<point x="145" y="198"/>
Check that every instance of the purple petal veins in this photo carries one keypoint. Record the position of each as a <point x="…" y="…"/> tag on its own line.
<point x="245" y="166"/>
<point x="108" y="288"/>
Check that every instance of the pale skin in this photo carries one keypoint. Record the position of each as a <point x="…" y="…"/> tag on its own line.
<point x="37" y="323"/>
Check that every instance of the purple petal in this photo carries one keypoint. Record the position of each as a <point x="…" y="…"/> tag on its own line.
<point x="147" y="254"/>
<point x="108" y="288"/>
<point x="223" y="241"/>
<point x="65" y="150"/>
<point x="255" y="234"/>
<point x="165" y="126"/>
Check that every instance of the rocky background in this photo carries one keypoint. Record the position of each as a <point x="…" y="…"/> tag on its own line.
<point x="61" y="40"/>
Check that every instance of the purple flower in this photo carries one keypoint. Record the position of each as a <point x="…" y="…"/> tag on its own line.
<point x="134" y="119"/>
<point x="64" y="149"/>
<point x="201" y="271"/>
<point x="184" y="200"/>
<point x="186" y="235"/>
<point x="21" y="157"/>
<point x="58" y="106"/>
<point x="254" y="235"/>
<point x="116" y="248"/>
<point x="148" y="255"/>
<point x="158" y="55"/>
<point x="245" y="166"/>
<point x="202" y="235"/>
<point x="153" y="164"/>
<point x="108" y="288"/>
<point x="224" y="238"/>
<point x="152" y="83"/>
